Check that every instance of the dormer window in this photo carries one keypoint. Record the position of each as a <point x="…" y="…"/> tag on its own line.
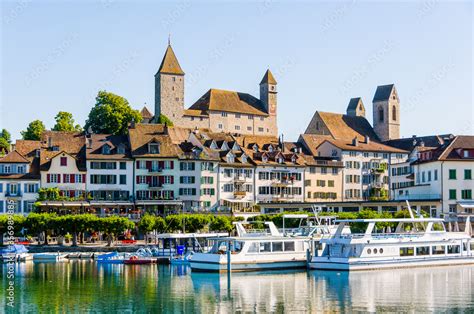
<point x="55" y="148"/>
<point x="121" y="149"/>
<point x="213" y="145"/>
<point x="255" y="148"/>
<point x="280" y="160"/>
<point x="106" y="149"/>
<point x="224" y="146"/>
<point x="293" y="159"/>
<point x="236" y="147"/>
<point x="244" y="159"/>
<point x="264" y="158"/>
<point x="230" y="158"/>
<point x="154" y="148"/>
<point x="270" y="148"/>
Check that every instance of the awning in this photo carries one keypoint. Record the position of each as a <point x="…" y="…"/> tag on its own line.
<point x="98" y="203"/>
<point x="159" y="202"/>
<point x="64" y="204"/>
<point x="236" y="201"/>
<point x="466" y="205"/>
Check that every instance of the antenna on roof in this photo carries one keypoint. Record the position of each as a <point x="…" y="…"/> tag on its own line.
<point x="169" y="39"/>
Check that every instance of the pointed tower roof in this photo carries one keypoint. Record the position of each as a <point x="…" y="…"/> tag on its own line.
<point x="268" y="78"/>
<point x="146" y="114"/>
<point x="383" y="92"/>
<point x="170" y="64"/>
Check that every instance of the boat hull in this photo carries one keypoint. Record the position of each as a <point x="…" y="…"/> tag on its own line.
<point x="245" y="267"/>
<point x="344" y="265"/>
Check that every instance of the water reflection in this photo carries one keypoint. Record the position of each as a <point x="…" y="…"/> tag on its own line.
<point x="85" y="286"/>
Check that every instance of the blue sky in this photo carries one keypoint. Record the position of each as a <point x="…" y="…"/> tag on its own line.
<point x="55" y="56"/>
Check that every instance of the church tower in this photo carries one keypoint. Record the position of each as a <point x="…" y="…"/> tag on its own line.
<point x="169" y="88"/>
<point x="268" y="93"/>
<point x="386" y="112"/>
<point x="356" y="108"/>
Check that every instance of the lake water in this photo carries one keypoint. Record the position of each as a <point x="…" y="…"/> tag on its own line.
<point x="84" y="286"/>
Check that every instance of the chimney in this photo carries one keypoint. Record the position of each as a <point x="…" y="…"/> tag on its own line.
<point x="89" y="142"/>
<point x="165" y="128"/>
<point x="132" y="124"/>
<point x="355" y="141"/>
<point x="367" y="139"/>
<point x="37" y="152"/>
<point x="50" y="142"/>
<point x="422" y="144"/>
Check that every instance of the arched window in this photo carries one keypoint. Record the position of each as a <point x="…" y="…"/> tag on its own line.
<point x="381" y="114"/>
<point x="394" y="113"/>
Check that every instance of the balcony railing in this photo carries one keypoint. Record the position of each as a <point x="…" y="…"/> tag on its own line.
<point x="240" y="193"/>
<point x="10" y="194"/>
<point x="417" y="197"/>
<point x="330" y="163"/>
<point x="155" y="170"/>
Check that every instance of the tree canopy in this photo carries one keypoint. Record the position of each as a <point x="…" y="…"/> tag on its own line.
<point x="111" y="114"/>
<point x="6" y="135"/>
<point x="65" y="122"/>
<point x="33" y="131"/>
<point x="165" y="120"/>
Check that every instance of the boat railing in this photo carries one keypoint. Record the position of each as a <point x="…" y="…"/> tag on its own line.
<point x="380" y="236"/>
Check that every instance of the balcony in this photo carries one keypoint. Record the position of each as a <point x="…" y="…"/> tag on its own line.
<point x="10" y="194"/>
<point x="155" y="170"/>
<point x="240" y="194"/>
<point x="238" y="179"/>
<point x="408" y="197"/>
<point x="155" y="186"/>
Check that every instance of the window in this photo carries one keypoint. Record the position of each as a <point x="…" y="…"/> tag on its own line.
<point x="260" y="129"/>
<point x="452" y="194"/>
<point x="250" y="117"/>
<point x="335" y="171"/>
<point x="437" y="250"/>
<point x="187" y="180"/>
<point x="253" y="248"/>
<point x="324" y="170"/>
<point x="186" y="166"/>
<point x="436" y="174"/>
<point x="249" y="128"/>
<point x="154" y="148"/>
<point x="423" y="250"/>
<point x="265" y="246"/>
<point x="277" y="246"/>
<point x="224" y="114"/>
<point x="219" y="125"/>
<point x="63" y="161"/>
<point x="331" y="183"/>
<point x="237" y="115"/>
<point x="454" y="249"/>
<point x="452" y="174"/>
<point x="394" y="113"/>
<point x="467" y="174"/>
<point x="466" y="194"/>
<point x="381" y="115"/>
<point x="106" y="149"/>
<point x="123" y="179"/>
<point x="54" y="178"/>
<point x="407" y="251"/>
<point x="237" y="127"/>
<point x="123" y="165"/>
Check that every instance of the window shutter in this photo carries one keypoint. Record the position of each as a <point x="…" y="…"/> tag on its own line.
<point x="171" y="179"/>
<point x="194" y="191"/>
<point x="48" y="178"/>
<point x="59" y="178"/>
<point x="64" y="178"/>
<point x="8" y="188"/>
<point x="83" y="178"/>
<point x="171" y="194"/>
<point x="25" y="188"/>
<point x="138" y="179"/>
<point x="212" y="191"/>
<point x="148" y="164"/>
<point x="171" y="164"/>
<point x="161" y="164"/>
<point x="148" y="179"/>
<point x="72" y="178"/>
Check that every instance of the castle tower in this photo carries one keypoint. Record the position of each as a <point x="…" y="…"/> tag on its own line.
<point x="268" y="93"/>
<point x="386" y="112"/>
<point x="356" y="108"/>
<point x="169" y="88"/>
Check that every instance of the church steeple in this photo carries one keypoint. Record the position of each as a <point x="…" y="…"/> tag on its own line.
<point x="170" y="64"/>
<point x="268" y="93"/>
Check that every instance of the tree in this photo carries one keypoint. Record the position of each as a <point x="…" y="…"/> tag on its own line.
<point x="165" y="120"/>
<point x="221" y="223"/>
<point x="40" y="223"/>
<point x="33" y="131"/>
<point x="113" y="226"/>
<point x="6" y="135"/>
<point x="111" y="114"/>
<point x="4" y="146"/>
<point x="65" y="122"/>
<point x="17" y="221"/>
<point x="147" y="225"/>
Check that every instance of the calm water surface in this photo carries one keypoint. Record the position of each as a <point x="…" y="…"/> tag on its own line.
<point x="84" y="286"/>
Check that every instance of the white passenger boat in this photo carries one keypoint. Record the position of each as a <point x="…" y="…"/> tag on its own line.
<point x="417" y="242"/>
<point x="257" y="251"/>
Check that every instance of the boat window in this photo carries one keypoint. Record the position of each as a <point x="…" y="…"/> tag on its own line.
<point x="265" y="247"/>
<point x="369" y="251"/>
<point x="437" y="249"/>
<point x="277" y="246"/>
<point x="253" y="247"/>
<point x="289" y="246"/>
<point x="423" y="250"/>
<point x="472" y="245"/>
<point x="375" y="251"/>
<point x="381" y="251"/>
<point x="454" y="249"/>
<point x="299" y="246"/>
<point x="237" y="247"/>
<point x="407" y="251"/>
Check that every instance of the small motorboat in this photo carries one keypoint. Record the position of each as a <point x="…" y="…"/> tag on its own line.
<point x="15" y="252"/>
<point x="182" y="259"/>
<point x="48" y="257"/>
<point x="135" y="260"/>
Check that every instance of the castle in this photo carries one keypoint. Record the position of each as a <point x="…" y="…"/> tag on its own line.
<point x="240" y="113"/>
<point x="217" y="110"/>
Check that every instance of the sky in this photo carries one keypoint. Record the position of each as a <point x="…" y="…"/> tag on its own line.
<point x="56" y="56"/>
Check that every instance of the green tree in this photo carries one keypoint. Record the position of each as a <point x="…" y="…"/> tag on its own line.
<point x="17" y="221"/>
<point x="75" y="224"/>
<point x="147" y="225"/>
<point x="40" y="224"/>
<point x="33" y="131"/>
<point x="221" y="223"/>
<point x="4" y="146"/>
<point x="113" y="226"/>
<point x="6" y="135"/>
<point x="111" y="114"/>
<point x="165" y="120"/>
<point x="65" y="122"/>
